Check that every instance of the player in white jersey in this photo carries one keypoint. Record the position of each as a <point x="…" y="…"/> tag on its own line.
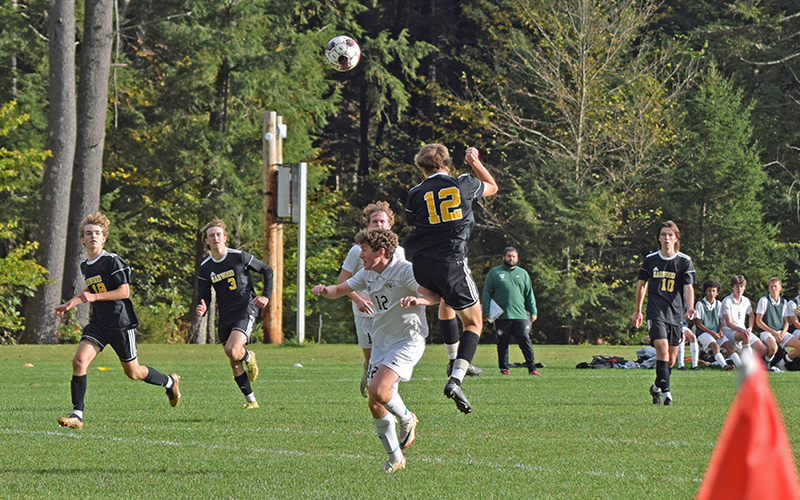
<point x="709" y="327"/>
<point x="771" y="318"/>
<point x="377" y="216"/>
<point x="399" y="330"/>
<point x="735" y="308"/>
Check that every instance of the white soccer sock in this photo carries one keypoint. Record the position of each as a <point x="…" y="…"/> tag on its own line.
<point x="460" y="367"/>
<point x="397" y="407"/>
<point x="720" y="360"/>
<point x="681" y="354"/>
<point x="452" y="350"/>
<point x="250" y="397"/>
<point x="388" y="435"/>
<point x="78" y="413"/>
<point x="667" y="395"/>
<point x="694" y="350"/>
<point x="737" y="361"/>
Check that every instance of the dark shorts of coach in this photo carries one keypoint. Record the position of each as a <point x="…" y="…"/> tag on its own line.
<point x="452" y="281"/>
<point x="661" y="330"/>
<point x="122" y="341"/>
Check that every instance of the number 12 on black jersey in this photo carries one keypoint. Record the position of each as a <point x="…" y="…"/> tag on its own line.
<point x="449" y="200"/>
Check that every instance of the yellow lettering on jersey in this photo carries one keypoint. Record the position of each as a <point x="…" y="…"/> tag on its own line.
<point x="222" y="276"/>
<point x="664" y="274"/>
<point x="93" y="280"/>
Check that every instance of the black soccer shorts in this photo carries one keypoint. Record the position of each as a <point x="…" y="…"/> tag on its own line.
<point x="452" y="281"/>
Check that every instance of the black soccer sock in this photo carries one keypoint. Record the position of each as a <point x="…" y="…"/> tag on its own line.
<point x="78" y="391"/>
<point x="468" y="345"/>
<point x="244" y="384"/>
<point x="155" y="377"/>
<point x="449" y="329"/>
<point x="662" y="375"/>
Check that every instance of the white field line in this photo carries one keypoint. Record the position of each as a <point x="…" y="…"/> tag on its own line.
<point x="295" y="453"/>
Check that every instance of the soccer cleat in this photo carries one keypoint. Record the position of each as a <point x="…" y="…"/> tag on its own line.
<point x="775" y="369"/>
<point x="696" y="368"/>
<point x="175" y="390"/>
<point x="656" y="393"/>
<point x="453" y="391"/>
<point x="408" y="431"/>
<point x="394" y="465"/>
<point x="73" y="422"/>
<point x="505" y="372"/>
<point x="534" y="372"/>
<point x="728" y="368"/>
<point x="250" y="405"/>
<point x="667" y="401"/>
<point x="252" y="367"/>
<point x="682" y="368"/>
<point x="364" y="386"/>
<point x="472" y="370"/>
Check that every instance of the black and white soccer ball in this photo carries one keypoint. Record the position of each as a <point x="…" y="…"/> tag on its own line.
<point x="342" y="53"/>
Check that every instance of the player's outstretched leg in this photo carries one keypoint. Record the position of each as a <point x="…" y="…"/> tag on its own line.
<point x="452" y="389"/>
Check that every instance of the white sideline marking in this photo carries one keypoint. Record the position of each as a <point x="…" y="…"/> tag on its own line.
<point x="495" y="465"/>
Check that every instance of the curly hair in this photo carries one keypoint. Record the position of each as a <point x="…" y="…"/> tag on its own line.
<point x="96" y="219"/>
<point x="378" y="239"/>
<point x="380" y="206"/>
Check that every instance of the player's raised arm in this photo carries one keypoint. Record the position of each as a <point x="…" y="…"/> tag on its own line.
<point x="473" y="158"/>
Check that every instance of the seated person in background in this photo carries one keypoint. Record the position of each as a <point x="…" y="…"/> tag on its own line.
<point x="775" y="326"/>
<point x="688" y="338"/>
<point x="735" y="308"/>
<point x="708" y="326"/>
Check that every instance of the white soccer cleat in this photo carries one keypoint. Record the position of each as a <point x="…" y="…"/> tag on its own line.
<point x="408" y="431"/>
<point x="392" y="465"/>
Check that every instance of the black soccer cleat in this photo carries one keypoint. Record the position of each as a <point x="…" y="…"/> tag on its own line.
<point x="656" y="393"/>
<point x="453" y="391"/>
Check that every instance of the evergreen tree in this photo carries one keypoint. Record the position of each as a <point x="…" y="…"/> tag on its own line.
<point x="713" y="193"/>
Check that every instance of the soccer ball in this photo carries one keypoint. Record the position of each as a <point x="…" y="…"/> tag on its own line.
<point x="342" y="53"/>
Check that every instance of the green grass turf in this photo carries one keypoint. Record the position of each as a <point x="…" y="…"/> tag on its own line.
<point x="567" y="434"/>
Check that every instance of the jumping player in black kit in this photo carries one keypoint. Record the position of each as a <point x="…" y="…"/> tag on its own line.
<point x="667" y="277"/>
<point x="440" y="208"/>
<point x="228" y="271"/>
<point x="113" y="320"/>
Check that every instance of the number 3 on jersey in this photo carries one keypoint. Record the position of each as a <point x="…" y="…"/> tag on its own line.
<point x="449" y="200"/>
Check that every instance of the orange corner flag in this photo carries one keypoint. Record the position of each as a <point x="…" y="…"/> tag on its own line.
<point x="752" y="459"/>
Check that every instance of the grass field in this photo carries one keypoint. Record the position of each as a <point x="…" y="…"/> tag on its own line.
<point x="568" y="434"/>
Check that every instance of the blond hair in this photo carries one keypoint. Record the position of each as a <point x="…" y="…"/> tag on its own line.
<point x="96" y="219"/>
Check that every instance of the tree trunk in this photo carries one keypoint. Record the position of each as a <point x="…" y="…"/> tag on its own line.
<point x="87" y="171"/>
<point x="41" y="324"/>
<point x="199" y="324"/>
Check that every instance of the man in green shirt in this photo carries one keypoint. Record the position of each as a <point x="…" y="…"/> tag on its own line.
<point x="509" y="287"/>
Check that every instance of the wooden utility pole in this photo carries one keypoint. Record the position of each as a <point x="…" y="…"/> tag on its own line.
<point x="272" y="155"/>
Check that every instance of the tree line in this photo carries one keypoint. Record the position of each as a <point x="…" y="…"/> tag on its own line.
<point x="598" y="119"/>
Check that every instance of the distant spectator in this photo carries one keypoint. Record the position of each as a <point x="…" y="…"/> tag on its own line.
<point x="509" y="286"/>
<point x="735" y="309"/>
<point x="708" y="326"/>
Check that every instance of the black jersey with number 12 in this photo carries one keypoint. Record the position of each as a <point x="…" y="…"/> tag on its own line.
<point x="440" y="208"/>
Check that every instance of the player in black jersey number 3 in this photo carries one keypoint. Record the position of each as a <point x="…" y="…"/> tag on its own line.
<point x="228" y="271"/>
<point x="440" y="208"/>
<point x="113" y="320"/>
